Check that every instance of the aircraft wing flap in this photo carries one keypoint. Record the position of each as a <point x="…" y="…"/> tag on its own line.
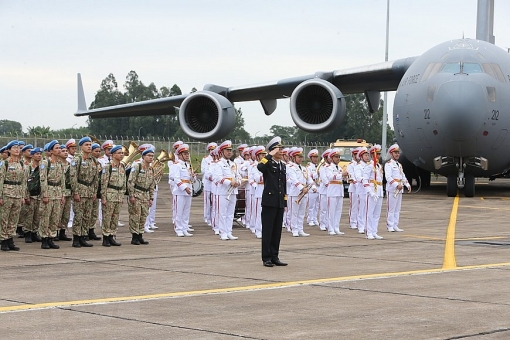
<point x="160" y="106"/>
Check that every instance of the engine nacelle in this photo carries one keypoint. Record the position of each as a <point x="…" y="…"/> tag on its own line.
<point x="207" y="116"/>
<point x="317" y="106"/>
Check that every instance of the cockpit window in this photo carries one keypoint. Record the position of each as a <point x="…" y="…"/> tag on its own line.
<point x="431" y="69"/>
<point x="494" y="71"/>
<point x="451" y="68"/>
<point x="471" y="68"/>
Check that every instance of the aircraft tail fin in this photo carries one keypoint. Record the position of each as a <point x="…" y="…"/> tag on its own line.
<point x="82" y="105"/>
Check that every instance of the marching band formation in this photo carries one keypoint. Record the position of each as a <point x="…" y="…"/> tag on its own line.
<point x="45" y="191"/>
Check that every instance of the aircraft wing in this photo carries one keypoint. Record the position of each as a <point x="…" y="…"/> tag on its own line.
<point x="210" y="115"/>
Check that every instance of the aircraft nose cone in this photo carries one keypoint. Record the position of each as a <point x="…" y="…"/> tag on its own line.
<point x="461" y="105"/>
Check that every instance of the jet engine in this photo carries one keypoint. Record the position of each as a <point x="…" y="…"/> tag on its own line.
<point x="317" y="106"/>
<point x="207" y="116"/>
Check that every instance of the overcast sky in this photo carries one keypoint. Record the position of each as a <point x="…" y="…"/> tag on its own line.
<point x="191" y="43"/>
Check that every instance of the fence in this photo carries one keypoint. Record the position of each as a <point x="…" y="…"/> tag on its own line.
<point x="197" y="149"/>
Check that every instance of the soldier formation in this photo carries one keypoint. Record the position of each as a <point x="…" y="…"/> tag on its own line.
<point x="45" y="191"/>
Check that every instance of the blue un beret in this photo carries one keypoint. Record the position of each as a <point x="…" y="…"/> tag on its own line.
<point x="146" y="151"/>
<point x="84" y="140"/>
<point x="36" y="150"/>
<point x="95" y="145"/>
<point x="2" y="149"/>
<point x="45" y="148"/>
<point x="21" y="143"/>
<point x="28" y="146"/>
<point x="11" y="144"/>
<point x="51" y="144"/>
<point x="115" y="148"/>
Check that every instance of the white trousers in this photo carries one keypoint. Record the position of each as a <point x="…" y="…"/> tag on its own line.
<point x="335" y="205"/>
<point x="353" y="209"/>
<point x="313" y="207"/>
<point x="207" y="206"/>
<point x="151" y="217"/>
<point x="297" y="213"/>
<point x="393" y="212"/>
<point x="226" y="209"/>
<point x="182" y="205"/>
<point x="323" y="211"/>
<point x="257" y="214"/>
<point x="362" y="212"/>
<point x="373" y="215"/>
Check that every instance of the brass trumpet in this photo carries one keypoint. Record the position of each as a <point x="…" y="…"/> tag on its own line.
<point x="132" y="152"/>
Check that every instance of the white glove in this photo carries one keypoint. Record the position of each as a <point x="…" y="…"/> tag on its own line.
<point x="374" y="197"/>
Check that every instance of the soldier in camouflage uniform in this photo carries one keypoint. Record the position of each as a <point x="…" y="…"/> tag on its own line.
<point x="83" y="188"/>
<point x="26" y="157"/>
<point x="113" y="187"/>
<point x="52" y="196"/>
<point x="141" y="190"/>
<point x="96" y="153"/>
<point x="13" y="186"/>
<point x="31" y="221"/>
<point x="66" y="208"/>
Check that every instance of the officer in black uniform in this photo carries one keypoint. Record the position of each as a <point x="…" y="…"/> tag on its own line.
<point x="274" y="201"/>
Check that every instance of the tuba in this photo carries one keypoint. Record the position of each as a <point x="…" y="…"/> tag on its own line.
<point x="159" y="164"/>
<point x="130" y="155"/>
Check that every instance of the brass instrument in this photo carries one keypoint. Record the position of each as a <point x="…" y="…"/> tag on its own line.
<point x="94" y="139"/>
<point x="131" y="154"/>
<point x="158" y="165"/>
<point x="318" y="179"/>
<point x="303" y="193"/>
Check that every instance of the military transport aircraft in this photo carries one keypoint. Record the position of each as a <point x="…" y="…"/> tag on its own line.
<point x="451" y="113"/>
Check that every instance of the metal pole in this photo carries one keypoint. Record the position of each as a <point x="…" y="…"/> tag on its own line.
<point x="385" y="107"/>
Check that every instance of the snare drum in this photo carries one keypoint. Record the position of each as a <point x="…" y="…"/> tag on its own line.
<point x="197" y="187"/>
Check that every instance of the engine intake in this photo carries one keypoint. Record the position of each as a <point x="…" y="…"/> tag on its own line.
<point x="207" y="116"/>
<point x="317" y="106"/>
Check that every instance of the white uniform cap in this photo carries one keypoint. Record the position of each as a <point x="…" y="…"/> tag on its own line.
<point x="177" y="144"/>
<point x="313" y="152"/>
<point x="276" y="142"/>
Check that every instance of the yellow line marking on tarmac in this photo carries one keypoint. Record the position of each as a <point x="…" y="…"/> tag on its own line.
<point x="449" y="249"/>
<point x="47" y="305"/>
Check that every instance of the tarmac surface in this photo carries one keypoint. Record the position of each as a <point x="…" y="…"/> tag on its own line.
<point x="445" y="277"/>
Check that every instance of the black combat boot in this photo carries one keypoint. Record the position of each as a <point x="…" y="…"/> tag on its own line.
<point x="84" y="243"/>
<point x="4" y="246"/>
<point x="142" y="241"/>
<point x="35" y="237"/>
<point x="113" y="241"/>
<point x="106" y="241"/>
<point x="19" y="232"/>
<point x="62" y="235"/>
<point x="10" y="244"/>
<point x="93" y="236"/>
<point x="28" y="237"/>
<point x="135" y="240"/>
<point x="51" y="244"/>
<point x="76" y="241"/>
<point x="44" y="243"/>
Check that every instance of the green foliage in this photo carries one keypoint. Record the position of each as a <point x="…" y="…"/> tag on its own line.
<point x="10" y="127"/>
<point x="43" y="131"/>
<point x="239" y="134"/>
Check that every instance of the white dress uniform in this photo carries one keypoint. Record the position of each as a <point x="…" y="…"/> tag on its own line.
<point x="214" y="197"/>
<point x="181" y="174"/>
<point x="335" y="197"/>
<point x="372" y="182"/>
<point x="256" y="181"/>
<point x="323" y="198"/>
<point x="394" y="176"/>
<point x="361" y="197"/>
<point x="104" y="161"/>
<point x="224" y="174"/>
<point x="205" y="169"/>
<point x="243" y="172"/>
<point x="353" y="195"/>
<point x="298" y="178"/>
<point x="313" y="197"/>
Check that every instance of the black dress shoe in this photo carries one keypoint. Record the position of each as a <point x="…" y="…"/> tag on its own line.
<point x="268" y="264"/>
<point x="278" y="263"/>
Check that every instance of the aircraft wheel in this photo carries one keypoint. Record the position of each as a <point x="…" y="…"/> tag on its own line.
<point x="469" y="186"/>
<point x="451" y="186"/>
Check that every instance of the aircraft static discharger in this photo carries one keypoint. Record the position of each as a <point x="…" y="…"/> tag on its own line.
<point x="451" y="112"/>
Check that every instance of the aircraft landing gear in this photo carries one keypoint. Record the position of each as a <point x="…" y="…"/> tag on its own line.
<point x="469" y="186"/>
<point x="451" y="186"/>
